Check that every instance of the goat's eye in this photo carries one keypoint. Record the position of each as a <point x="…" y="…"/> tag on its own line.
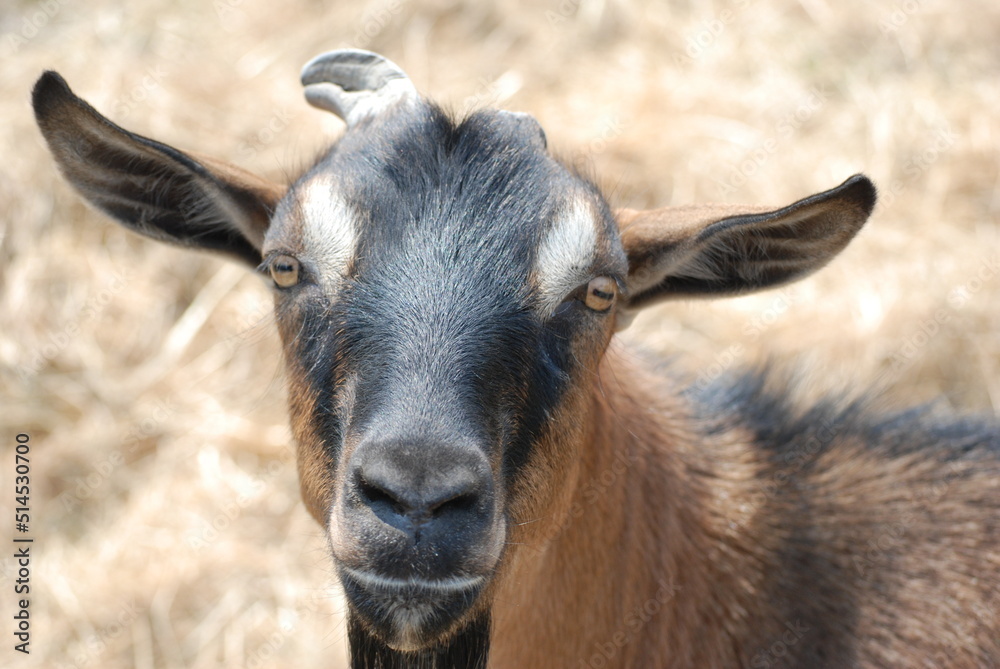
<point x="601" y="293"/>
<point x="284" y="270"/>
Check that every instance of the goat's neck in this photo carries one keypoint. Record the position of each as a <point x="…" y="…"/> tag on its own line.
<point x="644" y="547"/>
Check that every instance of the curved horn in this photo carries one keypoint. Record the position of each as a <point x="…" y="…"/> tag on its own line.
<point x="355" y="84"/>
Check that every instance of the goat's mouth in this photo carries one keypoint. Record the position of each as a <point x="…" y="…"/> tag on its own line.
<point x="413" y="613"/>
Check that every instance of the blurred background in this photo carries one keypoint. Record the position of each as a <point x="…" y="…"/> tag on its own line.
<point x="165" y="510"/>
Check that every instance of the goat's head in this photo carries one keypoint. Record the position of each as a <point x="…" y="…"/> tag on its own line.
<point x="444" y="290"/>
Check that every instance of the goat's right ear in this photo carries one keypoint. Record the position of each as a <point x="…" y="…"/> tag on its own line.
<point x="150" y="187"/>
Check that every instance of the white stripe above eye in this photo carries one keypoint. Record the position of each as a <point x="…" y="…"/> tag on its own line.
<point x="329" y="227"/>
<point x="564" y="259"/>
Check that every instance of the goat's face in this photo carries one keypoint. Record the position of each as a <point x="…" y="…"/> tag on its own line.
<point x="444" y="291"/>
<point x="439" y="287"/>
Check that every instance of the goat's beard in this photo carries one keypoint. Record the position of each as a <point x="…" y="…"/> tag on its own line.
<point x="468" y="648"/>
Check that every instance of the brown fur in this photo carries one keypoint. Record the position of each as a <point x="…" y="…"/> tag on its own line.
<point x="679" y="532"/>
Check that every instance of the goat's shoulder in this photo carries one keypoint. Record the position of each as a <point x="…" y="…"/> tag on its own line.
<point x="880" y="517"/>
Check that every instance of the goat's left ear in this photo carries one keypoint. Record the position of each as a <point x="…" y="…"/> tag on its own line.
<point x="707" y="250"/>
<point x="152" y="188"/>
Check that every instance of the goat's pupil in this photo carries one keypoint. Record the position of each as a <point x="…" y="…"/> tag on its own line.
<point x="285" y="271"/>
<point x="600" y="294"/>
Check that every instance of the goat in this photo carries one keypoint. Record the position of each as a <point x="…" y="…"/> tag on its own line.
<point x="500" y="482"/>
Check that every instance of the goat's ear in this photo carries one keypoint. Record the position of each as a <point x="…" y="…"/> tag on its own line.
<point x="707" y="250"/>
<point x="150" y="187"/>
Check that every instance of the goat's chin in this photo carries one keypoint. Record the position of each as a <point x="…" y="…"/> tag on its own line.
<point x="416" y="640"/>
<point x="464" y="644"/>
<point x="412" y="614"/>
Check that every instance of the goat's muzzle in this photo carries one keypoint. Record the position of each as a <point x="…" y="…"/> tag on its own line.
<point x="416" y="534"/>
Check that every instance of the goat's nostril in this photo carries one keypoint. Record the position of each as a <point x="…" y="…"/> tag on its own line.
<point x="398" y="500"/>
<point x="383" y="498"/>
<point x="378" y="498"/>
<point x="427" y="493"/>
<point x="462" y="502"/>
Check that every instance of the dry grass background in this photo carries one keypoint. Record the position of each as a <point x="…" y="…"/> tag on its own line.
<point x="168" y="527"/>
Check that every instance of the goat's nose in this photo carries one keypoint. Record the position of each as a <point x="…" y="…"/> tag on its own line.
<point x="423" y="490"/>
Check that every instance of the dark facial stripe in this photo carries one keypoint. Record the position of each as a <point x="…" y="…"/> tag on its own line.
<point x="438" y="317"/>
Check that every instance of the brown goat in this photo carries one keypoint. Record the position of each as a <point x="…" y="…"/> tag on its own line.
<point x="501" y="483"/>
